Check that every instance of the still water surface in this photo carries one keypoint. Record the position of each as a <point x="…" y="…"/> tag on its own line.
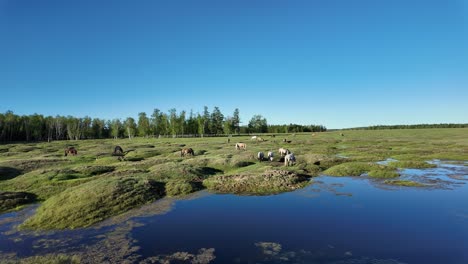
<point x="334" y="220"/>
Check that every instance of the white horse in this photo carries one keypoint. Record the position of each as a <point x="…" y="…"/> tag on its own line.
<point x="283" y="152"/>
<point x="260" y="156"/>
<point x="241" y="146"/>
<point x="253" y="138"/>
<point x="270" y="155"/>
<point x="289" y="159"/>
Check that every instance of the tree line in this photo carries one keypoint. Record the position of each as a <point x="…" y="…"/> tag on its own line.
<point x="378" y="127"/>
<point x="37" y="127"/>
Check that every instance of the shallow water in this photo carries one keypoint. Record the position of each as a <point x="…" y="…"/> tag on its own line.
<point x="334" y="220"/>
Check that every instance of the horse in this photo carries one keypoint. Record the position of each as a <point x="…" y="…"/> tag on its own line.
<point x="71" y="151"/>
<point x="283" y="151"/>
<point x="118" y="150"/>
<point x="289" y="159"/>
<point x="270" y="155"/>
<point x="253" y="138"/>
<point x="241" y="146"/>
<point x="186" y="151"/>
<point x="260" y="156"/>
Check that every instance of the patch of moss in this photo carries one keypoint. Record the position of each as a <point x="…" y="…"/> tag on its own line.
<point x="411" y="164"/>
<point x="405" y="183"/>
<point x="92" y="202"/>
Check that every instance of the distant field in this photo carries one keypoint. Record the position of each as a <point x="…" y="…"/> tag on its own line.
<point x="81" y="190"/>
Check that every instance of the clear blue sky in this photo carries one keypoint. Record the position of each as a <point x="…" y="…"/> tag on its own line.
<point x="339" y="63"/>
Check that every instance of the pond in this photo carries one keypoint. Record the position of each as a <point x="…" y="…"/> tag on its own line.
<point x="333" y="220"/>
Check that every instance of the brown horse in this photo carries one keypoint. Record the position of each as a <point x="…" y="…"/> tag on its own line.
<point x="186" y="151"/>
<point x="71" y="151"/>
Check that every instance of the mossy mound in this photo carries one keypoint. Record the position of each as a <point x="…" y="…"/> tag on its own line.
<point x="12" y="200"/>
<point x="26" y="165"/>
<point x="92" y="202"/>
<point x="270" y="182"/>
<point x="181" y="187"/>
<point x="351" y="169"/>
<point x="94" y="170"/>
<point x="383" y="173"/>
<point x="405" y="183"/>
<point x="413" y="164"/>
<point x="360" y="168"/>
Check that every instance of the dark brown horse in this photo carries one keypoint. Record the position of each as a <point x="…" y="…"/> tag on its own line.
<point x="71" y="151"/>
<point x="118" y="150"/>
<point x="186" y="151"/>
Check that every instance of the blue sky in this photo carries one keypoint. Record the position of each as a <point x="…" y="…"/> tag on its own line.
<point x="338" y="63"/>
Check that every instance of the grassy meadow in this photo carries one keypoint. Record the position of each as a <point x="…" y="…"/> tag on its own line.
<point x="78" y="191"/>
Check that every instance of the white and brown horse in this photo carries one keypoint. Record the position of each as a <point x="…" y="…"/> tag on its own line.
<point x="283" y="152"/>
<point x="241" y="146"/>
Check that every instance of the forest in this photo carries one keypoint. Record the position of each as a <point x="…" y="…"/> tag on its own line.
<point x="37" y="127"/>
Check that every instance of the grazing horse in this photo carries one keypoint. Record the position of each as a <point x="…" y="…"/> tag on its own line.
<point x="260" y="139"/>
<point x="270" y="155"/>
<point x="186" y="151"/>
<point x="118" y="150"/>
<point x="260" y="156"/>
<point x="71" y="151"/>
<point x="289" y="159"/>
<point x="241" y="146"/>
<point x="283" y="152"/>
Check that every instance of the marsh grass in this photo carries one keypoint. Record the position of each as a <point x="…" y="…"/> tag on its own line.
<point x="86" y="182"/>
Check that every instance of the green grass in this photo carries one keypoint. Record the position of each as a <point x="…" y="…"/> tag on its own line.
<point x="86" y="183"/>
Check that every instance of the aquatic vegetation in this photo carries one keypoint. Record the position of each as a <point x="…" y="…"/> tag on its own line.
<point x="92" y="202"/>
<point x="204" y="256"/>
<point x="46" y="259"/>
<point x="411" y="164"/>
<point x="406" y="183"/>
<point x="270" y="182"/>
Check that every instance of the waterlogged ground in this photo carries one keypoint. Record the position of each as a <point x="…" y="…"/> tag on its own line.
<point x="345" y="220"/>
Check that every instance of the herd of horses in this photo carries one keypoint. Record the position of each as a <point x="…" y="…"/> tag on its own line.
<point x="288" y="156"/>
